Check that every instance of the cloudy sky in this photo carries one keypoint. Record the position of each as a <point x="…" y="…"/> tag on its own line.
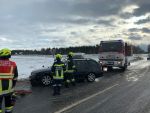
<point x="35" y="24"/>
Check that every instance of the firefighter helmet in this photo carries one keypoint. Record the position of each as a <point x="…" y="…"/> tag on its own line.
<point x="58" y="56"/>
<point x="70" y="54"/>
<point x="5" y="52"/>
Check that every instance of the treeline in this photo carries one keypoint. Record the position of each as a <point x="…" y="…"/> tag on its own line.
<point x="148" y="49"/>
<point x="52" y="51"/>
<point x="82" y="49"/>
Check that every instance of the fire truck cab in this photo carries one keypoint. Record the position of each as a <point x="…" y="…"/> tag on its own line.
<point x="114" y="53"/>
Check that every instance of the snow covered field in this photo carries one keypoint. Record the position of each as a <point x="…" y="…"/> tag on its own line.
<point x="26" y="64"/>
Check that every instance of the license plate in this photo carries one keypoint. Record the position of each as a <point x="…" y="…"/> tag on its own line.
<point x="110" y="63"/>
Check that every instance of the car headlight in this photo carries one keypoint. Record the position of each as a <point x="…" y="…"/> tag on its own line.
<point x="119" y="62"/>
<point x="105" y="69"/>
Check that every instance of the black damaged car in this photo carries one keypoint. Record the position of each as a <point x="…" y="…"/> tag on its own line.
<point x="86" y="69"/>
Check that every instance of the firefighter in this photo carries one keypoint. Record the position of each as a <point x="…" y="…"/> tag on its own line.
<point x="70" y="69"/>
<point x="8" y="79"/>
<point x="58" y="69"/>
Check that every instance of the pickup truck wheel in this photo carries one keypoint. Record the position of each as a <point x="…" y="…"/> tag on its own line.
<point x="46" y="80"/>
<point x="110" y="68"/>
<point x="124" y="68"/>
<point x="91" y="77"/>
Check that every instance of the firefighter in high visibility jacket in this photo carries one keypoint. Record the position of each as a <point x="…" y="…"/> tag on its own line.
<point x="8" y="78"/>
<point x="70" y="69"/>
<point x="58" y="69"/>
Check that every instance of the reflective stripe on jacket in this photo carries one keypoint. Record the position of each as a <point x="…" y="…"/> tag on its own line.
<point x="59" y="72"/>
<point x="70" y="67"/>
<point x="6" y="76"/>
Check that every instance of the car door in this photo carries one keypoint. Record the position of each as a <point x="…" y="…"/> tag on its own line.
<point x="94" y="67"/>
<point x="81" y="69"/>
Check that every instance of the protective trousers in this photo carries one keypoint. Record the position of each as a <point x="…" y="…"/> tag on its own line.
<point x="69" y="79"/>
<point x="57" y="83"/>
<point x="8" y="103"/>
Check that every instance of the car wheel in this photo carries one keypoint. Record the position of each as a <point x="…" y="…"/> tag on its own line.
<point x="110" y="68"/>
<point x="102" y="74"/>
<point x="46" y="80"/>
<point x="91" y="77"/>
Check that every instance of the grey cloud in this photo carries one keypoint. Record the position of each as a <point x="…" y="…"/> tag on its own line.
<point x="51" y="30"/>
<point x="74" y="33"/>
<point x="76" y="21"/>
<point x="60" y="10"/>
<point x="134" y="30"/>
<point x="92" y="30"/>
<point x="87" y="20"/>
<point x="50" y="10"/>
<point x="105" y="22"/>
<point x="98" y="8"/>
<point x="60" y="42"/>
<point x="142" y="10"/>
<point x="53" y="11"/>
<point x="35" y="10"/>
<point x="143" y="7"/>
<point x="143" y="21"/>
<point x="20" y="19"/>
<point x="144" y="30"/>
<point x="135" y="37"/>
<point x="126" y="15"/>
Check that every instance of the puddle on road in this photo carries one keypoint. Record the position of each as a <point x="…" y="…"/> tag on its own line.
<point x="132" y="77"/>
<point x="135" y="75"/>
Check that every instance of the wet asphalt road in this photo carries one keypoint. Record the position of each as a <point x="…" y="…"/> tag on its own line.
<point x="115" y="92"/>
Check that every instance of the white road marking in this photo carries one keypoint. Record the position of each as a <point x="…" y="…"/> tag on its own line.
<point x="85" y="99"/>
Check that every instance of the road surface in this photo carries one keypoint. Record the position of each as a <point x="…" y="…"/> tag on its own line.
<point x="115" y="92"/>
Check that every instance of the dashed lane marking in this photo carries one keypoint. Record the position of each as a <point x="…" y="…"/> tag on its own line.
<point x="85" y="99"/>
